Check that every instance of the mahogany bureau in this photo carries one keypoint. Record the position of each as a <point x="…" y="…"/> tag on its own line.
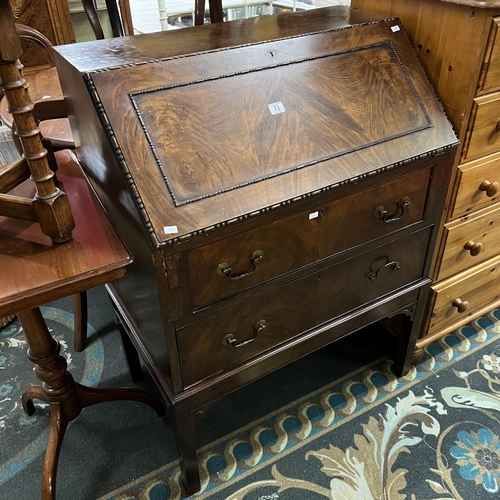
<point x="458" y="44"/>
<point x="279" y="181"/>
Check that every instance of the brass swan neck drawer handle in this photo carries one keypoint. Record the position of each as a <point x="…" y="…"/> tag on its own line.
<point x="490" y="188"/>
<point x="229" y="339"/>
<point x="393" y="266"/>
<point x="381" y="212"/>
<point x="461" y="305"/>
<point x="474" y="248"/>
<point x="223" y="269"/>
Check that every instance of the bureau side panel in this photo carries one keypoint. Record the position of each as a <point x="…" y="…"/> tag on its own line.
<point x="137" y="290"/>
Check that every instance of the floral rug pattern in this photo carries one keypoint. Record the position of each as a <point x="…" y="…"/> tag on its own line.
<point x="433" y="435"/>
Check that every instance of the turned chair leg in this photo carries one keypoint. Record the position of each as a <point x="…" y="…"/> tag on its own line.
<point x="80" y="313"/>
<point x="131" y="354"/>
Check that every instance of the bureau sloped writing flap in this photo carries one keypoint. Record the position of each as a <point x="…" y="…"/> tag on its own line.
<point x="273" y="111"/>
<point x="225" y="132"/>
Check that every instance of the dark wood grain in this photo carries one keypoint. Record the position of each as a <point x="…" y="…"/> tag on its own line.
<point x="319" y="232"/>
<point x="336" y="118"/>
<point x="227" y="180"/>
<point x="298" y="307"/>
<point x="193" y="168"/>
<point x="34" y="271"/>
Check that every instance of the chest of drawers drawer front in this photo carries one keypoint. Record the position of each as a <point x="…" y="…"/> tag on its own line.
<point x="471" y="241"/>
<point x="483" y="135"/>
<point x="464" y="294"/>
<point x="292" y="242"/>
<point x="206" y="346"/>
<point x="490" y="74"/>
<point x="479" y="185"/>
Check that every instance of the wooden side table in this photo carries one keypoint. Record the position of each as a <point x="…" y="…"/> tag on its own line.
<point x="34" y="272"/>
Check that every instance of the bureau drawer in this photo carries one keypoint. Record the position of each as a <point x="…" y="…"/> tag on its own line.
<point x="479" y="185"/>
<point x="293" y="242"/>
<point x="275" y="317"/>
<point x="490" y="73"/>
<point x="465" y="294"/>
<point x="470" y="241"/>
<point x="483" y="134"/>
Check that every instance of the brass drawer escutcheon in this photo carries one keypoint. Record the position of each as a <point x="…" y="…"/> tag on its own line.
<point x="229" y="339"/>
<point x="381" y="212"/>
<point x="393" y="266"/>
<point x="223" y="269"/>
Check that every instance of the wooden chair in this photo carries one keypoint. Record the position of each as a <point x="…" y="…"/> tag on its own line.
<point x="49" y="207"/>
<point x="114" y="18"/>
<point x="50" y="115"/>
<point x="45" y="91"/>
<point x="50" y="249"/>
<point x="44" y="83"/>
<point x="216" y="13"/>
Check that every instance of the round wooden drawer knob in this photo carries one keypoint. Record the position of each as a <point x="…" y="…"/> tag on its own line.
<point x="461" y="305"/>
<point x="474" y="248"/>
<point x="491" y="188"/>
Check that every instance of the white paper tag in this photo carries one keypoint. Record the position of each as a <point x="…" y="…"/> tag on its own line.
<point x="395" y="28"/>
<point x="276" y="108"/>
<point x="313" y="215"/>
<point x="170" y="230"/>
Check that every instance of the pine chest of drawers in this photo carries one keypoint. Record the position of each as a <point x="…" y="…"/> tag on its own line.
<point x="459" y="45"/>
<point x="279" y="182"/>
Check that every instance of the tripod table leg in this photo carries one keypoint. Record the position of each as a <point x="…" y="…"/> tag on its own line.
<point x="34" y="392"/>
<point x="58" y="425"/>
<point x="89" y="396"/>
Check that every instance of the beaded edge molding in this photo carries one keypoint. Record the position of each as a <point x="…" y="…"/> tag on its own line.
<point x="162" y="169"/>
<point x="108" y="129"/>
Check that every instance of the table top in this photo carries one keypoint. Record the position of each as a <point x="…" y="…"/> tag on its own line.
<point x="34" y="271"/>
<point x="44" y="84"/>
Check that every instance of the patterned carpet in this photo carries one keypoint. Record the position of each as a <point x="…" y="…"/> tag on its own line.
<point x="432" y="435"/>
<point x="346" y="428"/>
<point x="335" y="425"/>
